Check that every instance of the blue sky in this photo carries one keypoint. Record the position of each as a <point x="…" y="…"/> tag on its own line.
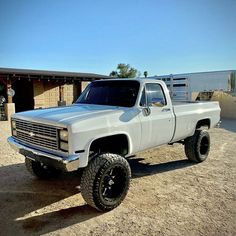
<point x="160" y="36"/>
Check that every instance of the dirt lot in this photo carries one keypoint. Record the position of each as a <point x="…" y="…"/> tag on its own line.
<point x="168" y="195"/>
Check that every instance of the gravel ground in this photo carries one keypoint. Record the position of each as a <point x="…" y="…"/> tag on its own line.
<point x="168" y="195"/>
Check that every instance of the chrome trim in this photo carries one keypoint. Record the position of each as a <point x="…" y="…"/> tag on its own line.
<point x="36" y="135"/>
<point x="71" y="163"/>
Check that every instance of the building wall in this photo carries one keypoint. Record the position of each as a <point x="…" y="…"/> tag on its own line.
<point x="84" y="84"/>
<point x="69" y="93"/>
<point x="46" y="93"/>
<point x="38" y="94"/>
<point x="51" y="94"/>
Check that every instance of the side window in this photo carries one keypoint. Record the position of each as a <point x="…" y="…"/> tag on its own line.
<point x="155" y="95"/>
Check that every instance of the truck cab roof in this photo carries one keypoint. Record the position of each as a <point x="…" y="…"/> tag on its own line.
<point x="140" y="80"/>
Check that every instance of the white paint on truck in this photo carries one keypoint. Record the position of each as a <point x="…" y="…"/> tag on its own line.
<point x="144" y="124"/>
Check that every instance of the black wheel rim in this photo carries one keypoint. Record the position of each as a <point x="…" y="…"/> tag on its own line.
<point x="113" y="183"/>
<point x="204" y="146"/>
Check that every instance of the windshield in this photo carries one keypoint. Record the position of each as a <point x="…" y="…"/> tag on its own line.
<point x="111" y="93"/>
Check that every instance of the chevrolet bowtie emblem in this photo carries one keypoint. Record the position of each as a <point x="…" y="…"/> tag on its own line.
<point x="31" y="134"/>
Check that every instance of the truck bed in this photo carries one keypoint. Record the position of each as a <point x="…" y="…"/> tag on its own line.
<point x="188" y="113"/>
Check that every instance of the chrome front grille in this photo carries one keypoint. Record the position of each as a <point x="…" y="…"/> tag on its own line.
<point x="37" y="134"/>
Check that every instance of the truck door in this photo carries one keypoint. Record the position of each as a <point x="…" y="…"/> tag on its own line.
<point x="157" y="117"/>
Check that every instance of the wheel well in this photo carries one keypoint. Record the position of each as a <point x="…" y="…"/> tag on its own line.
<point x="117" y="144"/>
<point x="203" y="123"/>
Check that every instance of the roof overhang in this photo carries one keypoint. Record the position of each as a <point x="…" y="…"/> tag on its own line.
<point x="49" y="75"/>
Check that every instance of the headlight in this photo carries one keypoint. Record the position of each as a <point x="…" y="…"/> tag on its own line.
<point x="64" y="146"/>
<point x="63" y="134"/>
<point x="13" y="124"/>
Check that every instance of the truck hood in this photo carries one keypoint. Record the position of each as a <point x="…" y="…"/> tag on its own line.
<point x="67" y="114"/>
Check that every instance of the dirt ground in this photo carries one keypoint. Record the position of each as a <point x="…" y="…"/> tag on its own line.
<point x="168" y="195"/>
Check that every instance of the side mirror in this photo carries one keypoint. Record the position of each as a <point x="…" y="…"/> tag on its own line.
<point x="146" y="111"/>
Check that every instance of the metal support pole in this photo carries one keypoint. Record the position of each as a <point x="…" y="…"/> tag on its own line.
<point x="9" y="84"/>
<point x="61" y="93"/>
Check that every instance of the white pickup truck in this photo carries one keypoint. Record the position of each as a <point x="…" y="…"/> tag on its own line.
<point x="112" y="119"/>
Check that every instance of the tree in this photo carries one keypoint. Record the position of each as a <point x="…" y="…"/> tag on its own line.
<point x="114" y="74"/>
<point x="124" y="71"/>
<point x="145" y="73"/>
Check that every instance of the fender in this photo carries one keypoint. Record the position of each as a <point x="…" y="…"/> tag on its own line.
<point x="130" y="147"/>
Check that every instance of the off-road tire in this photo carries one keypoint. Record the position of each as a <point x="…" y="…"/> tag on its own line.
<point x="197" y="147"/>
<point x="96" y="176"/>
<point x="39" y="170"/>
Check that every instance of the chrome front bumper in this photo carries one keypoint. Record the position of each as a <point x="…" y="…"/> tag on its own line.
<point x="70" y="163"/>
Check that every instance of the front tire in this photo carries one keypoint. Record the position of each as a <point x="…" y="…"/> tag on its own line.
<point x="197" y="147"/>
<point x="40" y="170"/>
<point x="105" y="181"/>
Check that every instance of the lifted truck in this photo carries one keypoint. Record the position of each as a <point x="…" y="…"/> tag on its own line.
<point x="112" y="119"/>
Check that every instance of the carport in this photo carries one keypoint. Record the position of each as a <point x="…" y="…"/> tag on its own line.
<point x="25" y="89"/>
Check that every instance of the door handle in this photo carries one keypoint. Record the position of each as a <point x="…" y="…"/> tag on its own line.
<point x="165" y="109"/>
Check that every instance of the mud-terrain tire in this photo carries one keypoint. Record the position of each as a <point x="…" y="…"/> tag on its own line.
<point x="40" y="170"/>
<point x="105" y="181"/>
<point x="197" y="147"/>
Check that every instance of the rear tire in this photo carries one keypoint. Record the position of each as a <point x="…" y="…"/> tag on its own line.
<point x="197" y="147"/>
<point x="105" y="181"/>
<point x="40" y="170"/>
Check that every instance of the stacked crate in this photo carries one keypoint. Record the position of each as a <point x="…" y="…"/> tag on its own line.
<point x="38" y="94"/>
<point x="46" y="94"/>
<point x="69" y="93"/>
